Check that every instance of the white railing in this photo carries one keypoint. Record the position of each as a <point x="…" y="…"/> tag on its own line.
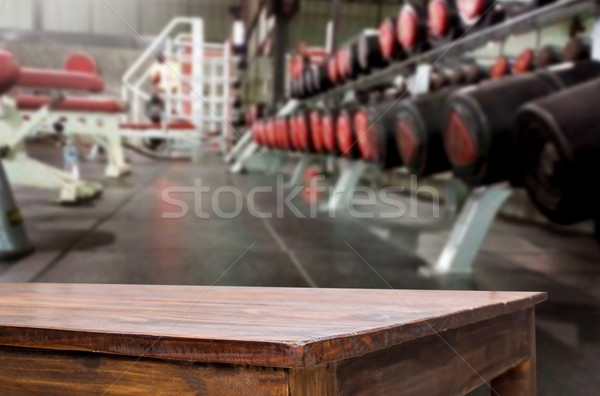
<point x="205" y="94"/>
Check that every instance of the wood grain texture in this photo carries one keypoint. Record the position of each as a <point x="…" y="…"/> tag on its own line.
<point x="320" y="380"/>
<point x="456" y="365"/>
<point x="269" y="327"/>
<point x="520" y="380"/>
<point x="26" y="371"/>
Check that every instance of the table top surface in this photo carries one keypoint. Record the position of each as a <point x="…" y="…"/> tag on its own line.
<point x="273" y="327"/>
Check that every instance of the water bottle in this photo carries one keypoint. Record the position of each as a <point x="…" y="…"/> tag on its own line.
<point x="71" y="159"/>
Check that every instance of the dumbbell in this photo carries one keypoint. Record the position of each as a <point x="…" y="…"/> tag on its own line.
<point x="419" y="125"/>
<point x="283" y="133"/>
<point x="557" y="146"/>
<point x="388" y="41"/>
<point x="257" y="131"/>
<point x="443" y="22"/>
<point x="506" y="66"/>
<point x="346" y="136"/>
<point x="374" y="128"/>
<point x="411" y="28"/>
<point x="479" y="119"/>
<point x="329" y="132"/>
<point x="316" y="126"/>
<point x="370" y="54"/>
<point x="301" y="131"/>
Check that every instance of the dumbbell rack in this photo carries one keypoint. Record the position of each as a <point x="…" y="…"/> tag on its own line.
<point x="470" y="227"/>
<point x="533" y="20"/>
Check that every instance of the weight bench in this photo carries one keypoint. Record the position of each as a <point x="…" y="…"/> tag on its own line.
<point x="20" y="168"/>
<point x="93" y="116"/>
<point x="174" y="129"/>
<point x="119" y="339"/>
<point x="174" y="132"/>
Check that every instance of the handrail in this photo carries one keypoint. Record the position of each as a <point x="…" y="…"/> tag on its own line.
<point x="152" y="48"/>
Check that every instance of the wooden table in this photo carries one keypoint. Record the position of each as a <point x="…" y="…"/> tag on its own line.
<point x="130" y="339"/>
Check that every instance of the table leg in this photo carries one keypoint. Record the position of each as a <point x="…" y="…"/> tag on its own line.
<point x="520" y="380"/>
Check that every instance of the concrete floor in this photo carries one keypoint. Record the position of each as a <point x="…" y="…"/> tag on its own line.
<point x="123" y="238"/>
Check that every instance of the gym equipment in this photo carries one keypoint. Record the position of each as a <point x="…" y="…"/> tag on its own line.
<point x="329" y="130"/>
<point x="483" y="13"/>
<point x="96" y="117"/>
<point x="479" y="119"/>
<point x="505" y="66"/>
<point x="282" y="129"/>
<point x="477" y="215"/>
<point x="370" y="54"/>
<point x="277" y="138"/>
<point x="366" y="138"/>
<point x="14" y="129"/>
<point x="575" y="50"/>
<point x="557" y="146"/>
<point x="195" y="81"/>
<point x="346" y="135"/>
<point x="441" y="77"/>
<point x="309" y="80"/>
<point x="271" y="133"/>
<point x="419" y="125"/>
<point x="443" y="21"/>
<point x="374" y="126"/>
<point x="578" y="48"/>
<point x="258" y="134"/>
<point x="342" y="61"/>
<point x="388" y="40"/>
<point x="9" y="72"/>
<point x="524" y="62"/>
<point x="463" y="73"/>
<point x="411" y="28"/>
<point x="500" y="68"/>
<point x="14" y="242"/>
<point x="549" y="55"/>
<point x="65" y="79"/>
<point x="333" y="73"/>
<point x="320" y="77"/>
<point x="302" y="132"/>
<point x="254" y="112"/>
<point x="316" y="127"/>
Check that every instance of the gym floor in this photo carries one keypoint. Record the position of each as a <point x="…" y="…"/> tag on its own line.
<point x="122" y="238"/>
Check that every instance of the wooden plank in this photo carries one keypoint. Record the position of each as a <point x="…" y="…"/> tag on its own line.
<point x="26" y="371"/>
<point x="430" y="366"/>
<point x="271" y="327"/>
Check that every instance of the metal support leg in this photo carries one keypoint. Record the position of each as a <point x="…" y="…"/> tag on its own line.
<point x="22" y="170"/>
<point x="273" y="161"/>
<point x="470" y="230"/>
<point x="406" y="232"/>
<point x="117" y="166"/>
<point x="240" y="164"/>
<point x="196" y="147"/>
<point x="14" y="241"/>
<point x="348" y="180"/>
<point x="238" y="148"/>
<point x="299" y="171"/>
